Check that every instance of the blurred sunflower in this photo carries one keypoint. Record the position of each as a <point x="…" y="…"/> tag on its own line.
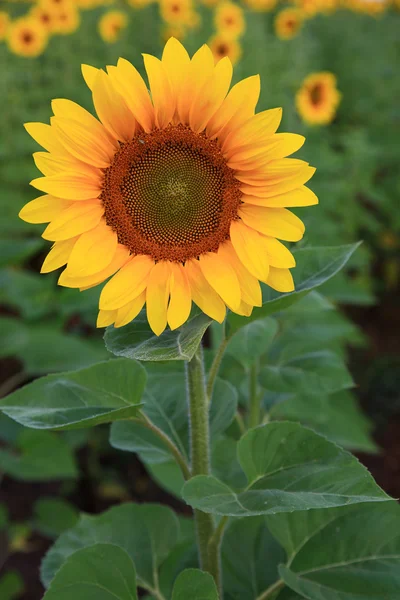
<point x="65" y="16"/>
<point x="27" y="37"/>
<point x="369" y="7"/>
<point x="176" y="12"/>
<point x="229" y="20"/>
<point x="261" y="5"/>
<point x="222" y="46"/>
<point x="4" y="24"/>
<point x="179" y="194"/>
<point x="287" y="23"/>
<point x="46" y="16"/>
<point x="309" y="8"/>
<point x="318" y="98"/>
<point x="111" y="24"/>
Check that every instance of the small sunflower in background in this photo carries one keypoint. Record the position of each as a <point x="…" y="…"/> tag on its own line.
<point x="27" y="37"/>
<point x="46" y="16"/>
<point x="229" y="20"/>
<point x="309" y="8"/>
<point x="111" y="24"/>
<point x="288" y="23"/>
<point x="261" y="5"/>
<point x="318" y="98"/>
<point x="4" y="24"/>
<point x="222" y="46"/>
<point x="370" y="7"/>
<point x="67" y="19"/>
<point x="176" y="12"/>
<point x="178" y="192"/>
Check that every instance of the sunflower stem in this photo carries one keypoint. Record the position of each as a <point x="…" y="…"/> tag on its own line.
<point x="254" y="397"/>
<point x="200" y="458"/>
<point x="216" y="363"/>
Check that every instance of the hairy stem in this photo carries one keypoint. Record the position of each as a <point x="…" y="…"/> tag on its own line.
<point x="270" y="592"/>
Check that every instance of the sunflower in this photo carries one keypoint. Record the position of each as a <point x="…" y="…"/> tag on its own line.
<point x="318" y="98"/>
<point x="178" y="194"/>
<point x="229" y="20"/>
<point x="222" y="46"/>
<point x="27" y="37"/>
<point x="176" y="12"/>
<point x="111" y="24"/>
<point x="369" y="7"/>
<point x="46" y="16"/>
<point x="4" y="23"/>
<point x="288" y="23"/>
<point x="67" y="19"/>
<point x="261" y="5"/>
<point x="309" y="8"/>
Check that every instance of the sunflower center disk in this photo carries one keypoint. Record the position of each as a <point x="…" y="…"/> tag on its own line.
<point x="169" y="194"/>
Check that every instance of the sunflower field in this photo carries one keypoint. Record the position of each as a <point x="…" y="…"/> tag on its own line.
<point x="199" y="300"/>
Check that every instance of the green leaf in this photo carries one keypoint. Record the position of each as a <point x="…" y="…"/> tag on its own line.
<point x="98" y="572"/>
<point x="196" y="585"/>
<point x="102" y="393"/>
<point x="11" y="585"/>
<point x="361" y="560"/>
<point x="14" y="253"/>
<point x="147" y="532"/>
<point x="252" y="340"/>
<point x="316" y="373"/>
<point x="38" y="456"/>
<point x="137" y="340"/>
<point x="33" y="294"/>
<point x="250" y="559"/>
<point x="337" y="417"/>
<point x="168" y="476"/>
<point x="52" y="516"/>
<point x="314" y="266"/>
<point x="289" y="468"/>
<point x="14" y="336"/>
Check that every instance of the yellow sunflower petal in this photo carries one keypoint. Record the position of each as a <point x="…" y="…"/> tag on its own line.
<point x="302" y="196"/>
<point x="51" y="164"/>
<point x="106" y="317"/>
<point x="244" y="309"/>
<point x="274" y="172"/>
<point x="249" y="285"/>
<point x="203" y="294"/>
<point x="74" y="220"/>
<point x="161" y="92"/>
<point x="278" y="255"/>
<point x="200" y="70"/>
<point x="58" y="255"/>
<point x="43" y="209"/>
<point x="112" y="109"/>
<point x="222" y="277"/>
<point x="238" y="106"/>
<point x="85" y="143"/>
<point x="119" y="259"/>
<point x="253" y="155"/>
<point x="157" y="295"/>
<point x="44" y="135"/>
<point x="180" y="302"/>
<point x="250" y="248"/>
<point x="211" y="96"/>
<point x="127" y="284"/>
<point x="93" y="251"/>
<point x="127" y="313"/>
<point x="274" y="222"/>
<point x="129" y="83"/>
<point x="262" y="125"/>
<point x="89" y="75"/>
<point x="280" y="280"/>
<point x="176" y="63"/>
<point x="275" y="189"/>
<point x="69" y="185"/>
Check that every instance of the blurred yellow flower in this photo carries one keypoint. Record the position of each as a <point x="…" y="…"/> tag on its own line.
<point x="177" y="31"/>
<point x="222" y="46"/>
<point x="111" y="24"/>
<point x="178" y="192"/>
<point x="229" y="20"/>
<point x="261" y="5"/>
<point x="318" y="98"/>
<point x="176" y="12"/>
<point x="369" y="7"/>
<point x="288" y="22"/>
<point x="4" y="24"/>
<point x="47" y="17"/>
<point x="27" y="37"/>
<point x="67" y="19"/>
<point x="309" y="8"/>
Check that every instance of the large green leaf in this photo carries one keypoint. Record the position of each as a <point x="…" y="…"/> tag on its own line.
<point x="250" y="559"/>
<point x="52" y="516"/>
<point x="137" y="340"/>
<point x="314" y="266"/>
<point x="196" y="585"/>
<point x="147" y="532"/>
<point x="102" y="393"/>
<point x="252" y="340"/>
<point x="98" y="572"/>
<point x="289" y="468"/>
<point x="38" y="456"/>
<point x="360" y="561"/>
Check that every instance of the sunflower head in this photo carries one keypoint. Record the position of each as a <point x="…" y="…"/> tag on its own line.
<point x="178" y="194"/>
<point x="318" y="98"/>
<point x="229" y="19"/>
<point x="222" y="47"/>
<point x="177" y="12"/>
<point x="27" y="37"/>
<point x="111" y="25"/>
<point x="288" y="23"/>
